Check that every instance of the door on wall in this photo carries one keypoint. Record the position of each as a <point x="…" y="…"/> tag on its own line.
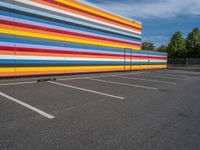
<point x="127" y="59"/>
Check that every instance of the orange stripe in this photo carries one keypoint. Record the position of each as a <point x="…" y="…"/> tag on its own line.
<point x="3" y="52"/>
<point x="52" y="72"/>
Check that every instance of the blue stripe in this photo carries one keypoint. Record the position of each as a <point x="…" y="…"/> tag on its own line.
<point x="52" y="62"/>
<point x="70" y="62"/>
<point x="7" y="61"/>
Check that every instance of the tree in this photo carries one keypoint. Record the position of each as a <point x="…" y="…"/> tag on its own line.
<point x="162" y="48"/>
<point x="176" y="47"/>
<point x="148" y="46"/>
<point x="193" y="43"/>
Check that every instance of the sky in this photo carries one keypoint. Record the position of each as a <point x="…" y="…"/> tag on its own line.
<point x="160" y="18"/>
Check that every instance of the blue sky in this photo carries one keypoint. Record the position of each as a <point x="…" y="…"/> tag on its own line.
<point x="160" y="18"/>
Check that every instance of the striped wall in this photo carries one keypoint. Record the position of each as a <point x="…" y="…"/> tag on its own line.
<point x="68" y="36"/>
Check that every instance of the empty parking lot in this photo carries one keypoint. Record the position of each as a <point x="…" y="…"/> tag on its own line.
<point x="157" y="109"/>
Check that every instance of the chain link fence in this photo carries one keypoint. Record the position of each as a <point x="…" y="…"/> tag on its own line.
<point x="187" y="63"/>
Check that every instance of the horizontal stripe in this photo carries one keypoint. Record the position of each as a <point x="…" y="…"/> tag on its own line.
<point x="74" y="65"/>
<point x="67" y="69"/>
<point x="76" y="62"/>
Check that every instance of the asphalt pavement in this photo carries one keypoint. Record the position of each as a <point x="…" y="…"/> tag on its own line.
<point x="138" y="110"/>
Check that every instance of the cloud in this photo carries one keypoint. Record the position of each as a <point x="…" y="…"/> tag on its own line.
<point x="152" y="9"/>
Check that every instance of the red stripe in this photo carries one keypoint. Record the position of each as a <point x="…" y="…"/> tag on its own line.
<point x="55" y="51"/>
<point x="73" y="52"/>
<point x="149" y="57"/>
<point x="62" y="32"/>
<point x="96" y="15"/>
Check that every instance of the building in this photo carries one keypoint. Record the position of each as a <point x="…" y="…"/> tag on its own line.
<point x="68" y="36"/>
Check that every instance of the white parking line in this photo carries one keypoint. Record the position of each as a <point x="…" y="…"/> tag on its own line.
<point x="156" y="76"/>
<point x="17" y="83"/>
<point x="126" y="84"/>
<point x="27" y="106"/>
<point x="148" y="80"/>
<point x="87" y="90"/>
<point x="166" y="74"/>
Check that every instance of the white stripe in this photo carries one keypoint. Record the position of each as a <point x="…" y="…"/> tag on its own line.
<point x="169" y="75"/>
<point x="55" y="58"/>
<point x="75" y="15"/>
<point x="27" y="106"/>
<point x="72" y="58"/>
<point x="133" y="78"/>
<point x="17" y="83"/>
<point x="126" y="84"/>
<point x="87" y="90"/>
<point x="149" y="55"/>
<point x="147" y="60"/>
<point x="156" y="76"/>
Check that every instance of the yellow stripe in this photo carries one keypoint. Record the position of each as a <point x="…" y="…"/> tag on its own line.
<point x="148" y="67"/>
<point x="70" y="3"/>
<point x="76" y="68"/>
<point x="12" y="69"/>
<point x="74" y="40"/>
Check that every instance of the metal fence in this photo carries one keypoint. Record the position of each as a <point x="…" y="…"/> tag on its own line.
<point x="184" y="62"/>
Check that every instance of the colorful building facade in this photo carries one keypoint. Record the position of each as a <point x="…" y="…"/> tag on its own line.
<point x="40" y="37"/>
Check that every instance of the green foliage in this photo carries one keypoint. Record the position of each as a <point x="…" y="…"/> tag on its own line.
<point x="177" y="47"/>
<point x="162" y="48"/>
<point x="148" y="46"/>
<point x="193" y="43"/>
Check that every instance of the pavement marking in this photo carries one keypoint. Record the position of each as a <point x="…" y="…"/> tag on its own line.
<point x="148" y="80"/>
<point x="126" y="84"/>
<point x="17" y="83"/>
<point x="87" y="90"/>
<point x="27" y="106"/>
<point x="167" y="74"/>
<point x="157" y="76"/>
